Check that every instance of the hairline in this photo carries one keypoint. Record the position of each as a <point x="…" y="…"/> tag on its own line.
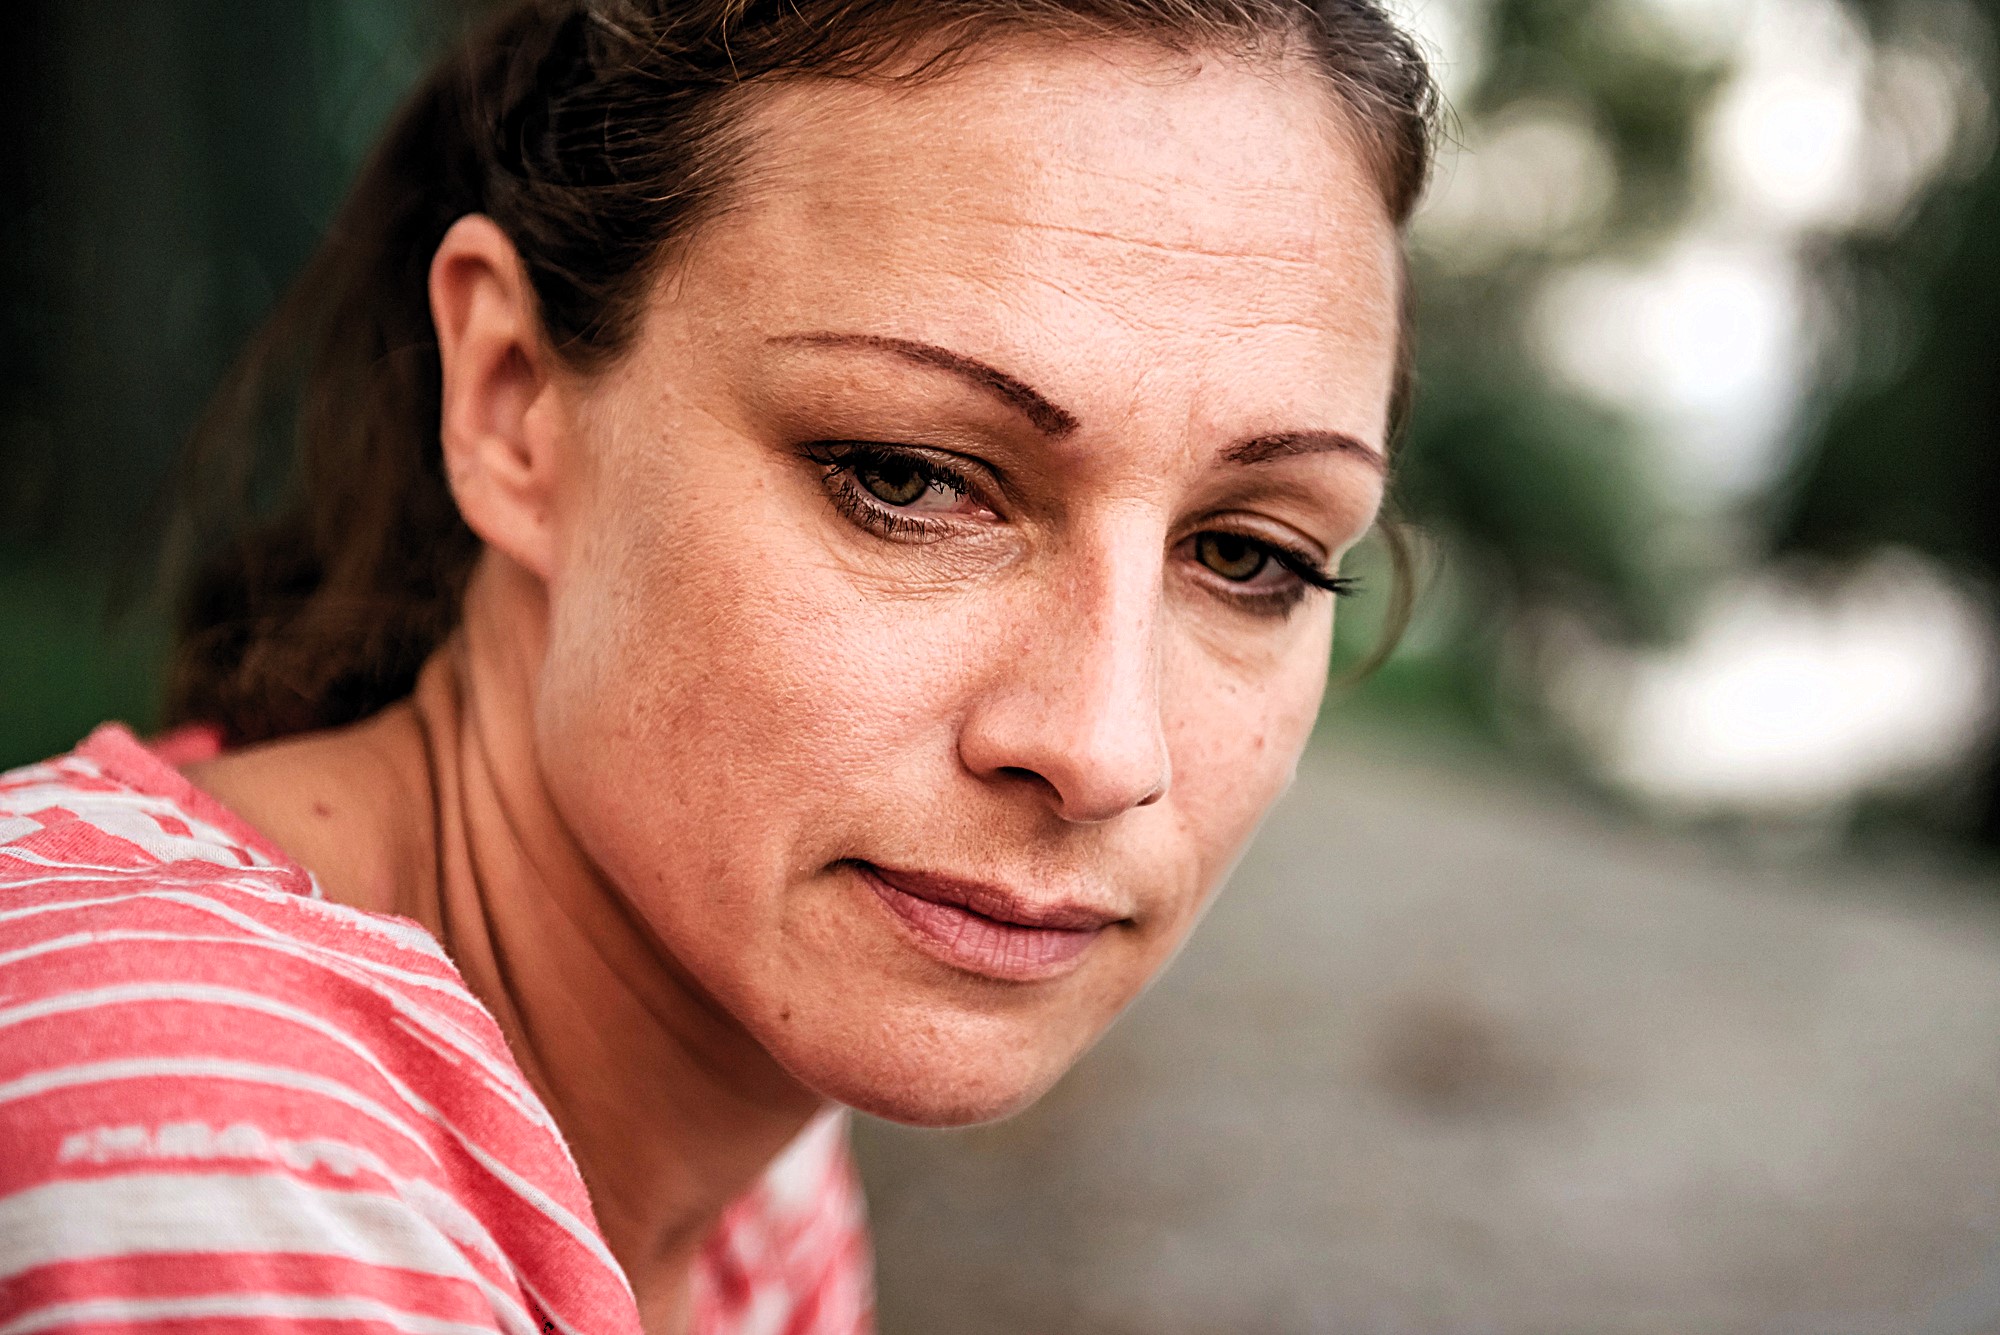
<point x="921" y="60"/>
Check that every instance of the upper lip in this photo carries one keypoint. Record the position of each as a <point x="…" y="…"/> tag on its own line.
<point x="998" y="902"/>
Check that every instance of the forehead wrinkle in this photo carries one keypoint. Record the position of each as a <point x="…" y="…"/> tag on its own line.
<point x="1187" y="249"/>
<point x="1228" y="250"/>
<point x="1281" y="223"/>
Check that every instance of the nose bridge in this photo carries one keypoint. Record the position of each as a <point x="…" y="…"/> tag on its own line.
<point x="1079" y="706"/>
<point x="1118" y="650"/>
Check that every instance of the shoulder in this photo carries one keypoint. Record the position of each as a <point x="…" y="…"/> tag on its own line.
<point x="137" y="928"/>
<point x="277" y="1101"/>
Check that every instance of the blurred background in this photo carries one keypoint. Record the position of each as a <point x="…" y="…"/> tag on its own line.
<point x="1627" y="957"/>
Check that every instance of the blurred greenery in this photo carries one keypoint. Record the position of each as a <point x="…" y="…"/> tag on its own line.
<point x="170" y="163"/>
<point x="68" y="665"/>
<point x="1908" y="450"/>
<point x="177" y="158"/>
<point x="1542" y="497"/>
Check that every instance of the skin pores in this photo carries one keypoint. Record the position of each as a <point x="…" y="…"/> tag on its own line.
<point x="899" y="676"/>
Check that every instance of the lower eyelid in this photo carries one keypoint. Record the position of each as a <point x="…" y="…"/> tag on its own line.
<point x="1241" y="592"/>
<point x="1271" y="602"/>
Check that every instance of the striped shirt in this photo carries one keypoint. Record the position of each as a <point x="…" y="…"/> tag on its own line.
<point x="227" y="1103"/>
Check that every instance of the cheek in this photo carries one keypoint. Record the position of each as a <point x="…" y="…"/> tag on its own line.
<point x="719" y="698"/>
<point x="1236" y="729"/>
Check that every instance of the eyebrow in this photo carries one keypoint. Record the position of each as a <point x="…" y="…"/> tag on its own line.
<point x="1056" y="422"/>
<point x="1286" y="444"/>
<point x="1047" y="418"/>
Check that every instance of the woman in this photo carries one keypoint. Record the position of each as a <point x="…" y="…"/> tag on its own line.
<point x="816" y="544"/>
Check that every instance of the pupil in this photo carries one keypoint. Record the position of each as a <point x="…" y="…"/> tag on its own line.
<point x="1231" y="557"/>
<point x="896" y="483"/>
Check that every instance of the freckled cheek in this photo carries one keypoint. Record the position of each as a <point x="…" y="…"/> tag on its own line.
<point x="640" y="692"/>
<point x="1235" y="742"/>
<point x="764" y="682"/>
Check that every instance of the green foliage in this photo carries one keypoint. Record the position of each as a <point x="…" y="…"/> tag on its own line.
<point x="1538" y="496"/>
<point x="172" y="163"/>
<point x="1542" y="492"/>
<point x="1908" y="451"/>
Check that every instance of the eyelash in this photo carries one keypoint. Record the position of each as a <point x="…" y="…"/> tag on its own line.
<point x="840" y="461"/>
<point x="1307" y="571"/>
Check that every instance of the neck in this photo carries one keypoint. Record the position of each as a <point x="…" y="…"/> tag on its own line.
<point x="434" y="809"/>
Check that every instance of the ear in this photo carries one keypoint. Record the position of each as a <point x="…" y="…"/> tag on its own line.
<point x="502" y="420"/>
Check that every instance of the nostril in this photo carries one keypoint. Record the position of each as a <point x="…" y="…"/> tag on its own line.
<point x="1026" y="775"/>
<point x="1079" y="804"/>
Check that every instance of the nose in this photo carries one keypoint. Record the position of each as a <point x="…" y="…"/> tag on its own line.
<point x="1072" y="707"/>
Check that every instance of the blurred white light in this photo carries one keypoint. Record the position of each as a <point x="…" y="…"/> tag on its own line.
<point x="1710" y="343"/>
<point x="1451" y="34"/>
<point x="1531" y="177"/>
<point x="1790" y="142"/>
<point x="1705" y="342"/>
<point x="1929" y="115"/>
<point x="1785" y="138"/>
<point x="1790" y="697"/>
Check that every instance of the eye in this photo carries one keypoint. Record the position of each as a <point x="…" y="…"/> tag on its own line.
<point x="1258" y="574"/>
<point x="898" y="492"/>
<point x="1232" y="556"/>
<point x="905" y="483"/>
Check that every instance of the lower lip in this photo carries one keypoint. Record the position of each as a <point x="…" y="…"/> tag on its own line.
<point x="978" y="944"/>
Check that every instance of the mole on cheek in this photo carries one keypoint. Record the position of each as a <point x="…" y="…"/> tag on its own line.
<point x="322" y="810"/>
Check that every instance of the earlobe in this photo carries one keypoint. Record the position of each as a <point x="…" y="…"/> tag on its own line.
<point x="499" y="417"/>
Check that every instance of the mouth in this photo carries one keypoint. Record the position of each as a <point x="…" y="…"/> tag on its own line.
<point x="989" y="930"/>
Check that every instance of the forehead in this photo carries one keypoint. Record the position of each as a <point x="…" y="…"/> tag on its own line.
<point x="1100" y="214"/>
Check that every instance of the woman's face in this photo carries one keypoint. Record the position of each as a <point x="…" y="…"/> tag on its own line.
<point x="935" y="615"/>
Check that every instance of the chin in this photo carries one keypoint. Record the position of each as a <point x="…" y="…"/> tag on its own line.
<point x="939" y="1071"/>
<point x="941" y="1103"/>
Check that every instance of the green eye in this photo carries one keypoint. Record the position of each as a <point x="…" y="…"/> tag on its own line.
<point x="893" y="481"/>
<point x="1232" y="557"/>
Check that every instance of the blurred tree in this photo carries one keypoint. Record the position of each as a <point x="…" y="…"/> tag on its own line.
<point x="1590" y="132"/>
<point x="1908" y="452"/>
<point x="1538" y="495"/>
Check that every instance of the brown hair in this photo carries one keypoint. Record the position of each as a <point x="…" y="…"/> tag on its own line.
<point x="596" y="134"/>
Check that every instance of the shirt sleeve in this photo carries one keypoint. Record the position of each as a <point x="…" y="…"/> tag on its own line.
<point x="184" y="1143"/>
<point x="118" y="1238"/>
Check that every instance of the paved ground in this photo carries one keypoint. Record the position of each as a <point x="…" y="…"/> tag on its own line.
<point x="1454" y="1058"/>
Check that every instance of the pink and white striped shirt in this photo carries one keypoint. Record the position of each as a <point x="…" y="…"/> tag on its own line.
<point x="229" y="1104"/>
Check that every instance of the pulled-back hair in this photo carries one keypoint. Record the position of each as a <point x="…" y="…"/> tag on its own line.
<point x="597" y="135"/>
